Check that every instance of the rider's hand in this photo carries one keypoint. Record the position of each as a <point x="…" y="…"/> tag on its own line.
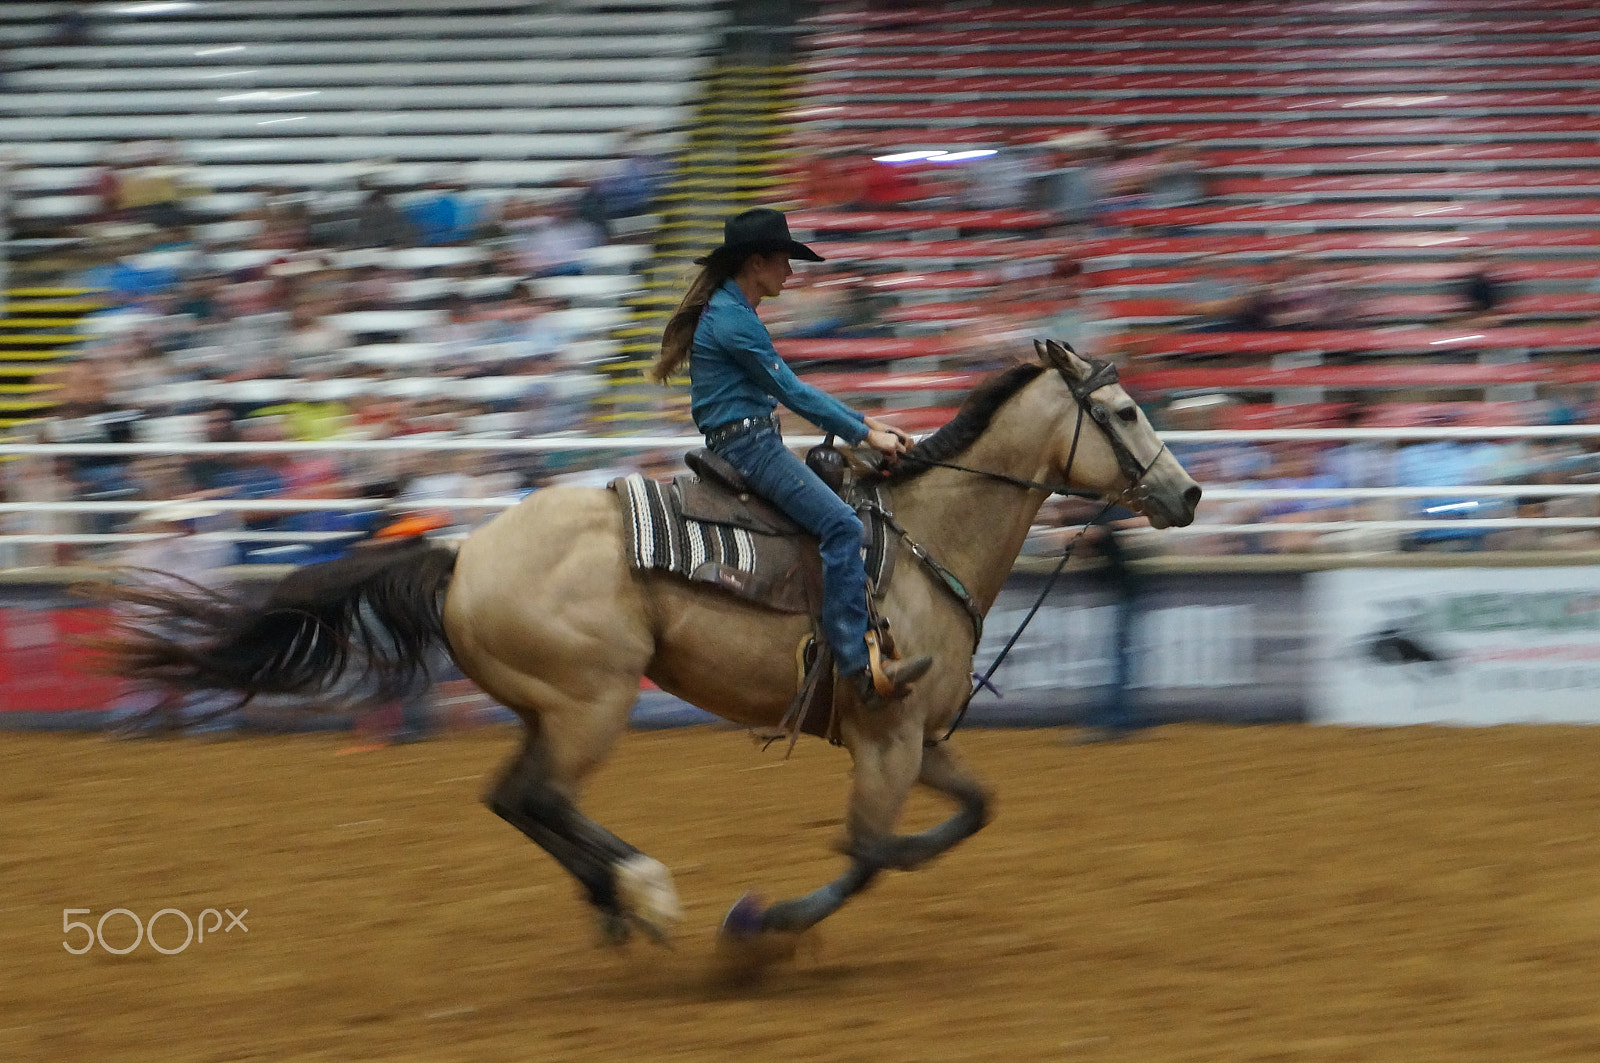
<point x="889" y="443"/>
<point x="884" y="428"/>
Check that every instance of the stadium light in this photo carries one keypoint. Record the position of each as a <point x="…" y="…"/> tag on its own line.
<point x="156" y="7"/>
<point x="963" y="156"/>
<point x="906" y="156"/>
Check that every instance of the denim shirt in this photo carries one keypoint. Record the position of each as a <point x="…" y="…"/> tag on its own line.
<point x="735" y="373"/>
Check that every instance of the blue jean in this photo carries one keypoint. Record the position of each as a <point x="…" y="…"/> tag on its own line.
<point x="785" y="481"/>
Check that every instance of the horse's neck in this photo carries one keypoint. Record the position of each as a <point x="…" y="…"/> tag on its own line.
<point x="972" y="525"/>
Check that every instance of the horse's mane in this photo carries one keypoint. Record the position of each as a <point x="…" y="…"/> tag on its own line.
<point x="970" y="421"/>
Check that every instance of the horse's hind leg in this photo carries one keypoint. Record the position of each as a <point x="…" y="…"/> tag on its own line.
<point x="624" y="885"/>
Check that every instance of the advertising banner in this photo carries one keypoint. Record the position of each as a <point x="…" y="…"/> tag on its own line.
<point x="42" y="669"/>
<point x="1457" y="645"/>
<point x="1204" y="646"/>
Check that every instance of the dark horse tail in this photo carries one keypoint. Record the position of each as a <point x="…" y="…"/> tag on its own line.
<point x="374" y="614"/>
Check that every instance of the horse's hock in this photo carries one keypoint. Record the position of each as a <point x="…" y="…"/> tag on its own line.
<point x="1201" y="893"/>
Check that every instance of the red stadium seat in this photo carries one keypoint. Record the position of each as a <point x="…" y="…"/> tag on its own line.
<point x="957" y="312"/>
<point x="862" y="350"/>
<point x="1242" y="10"/>
<point x="1463" y="414"/>
<point x="1376" y="341"/>
<point x="1375" y="186"/>
<point x="1248" y="416"/>
<point x="1407" y="158"/>
<point x="959" y="51"/>
<point x="1067" y="95"/>
<point x="823" y="221"/>
<point x="1366" y="215"/>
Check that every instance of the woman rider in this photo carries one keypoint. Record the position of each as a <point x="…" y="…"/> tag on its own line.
<point x="737" y="380"/>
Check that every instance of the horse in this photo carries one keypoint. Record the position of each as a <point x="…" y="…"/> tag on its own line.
<point x="542" y="609"/>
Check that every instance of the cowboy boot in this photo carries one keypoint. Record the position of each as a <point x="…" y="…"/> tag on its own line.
<point x="888" y="679"/>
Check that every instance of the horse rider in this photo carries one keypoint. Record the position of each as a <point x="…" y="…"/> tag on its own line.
<point x="737" y="380"/>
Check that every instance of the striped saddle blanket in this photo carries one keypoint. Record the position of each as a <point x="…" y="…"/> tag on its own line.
<point x="708" y="534"/>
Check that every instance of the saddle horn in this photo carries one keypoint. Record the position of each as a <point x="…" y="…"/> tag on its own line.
<point x="825" y="460"/>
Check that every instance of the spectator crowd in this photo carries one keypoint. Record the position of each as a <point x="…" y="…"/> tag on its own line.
<point x="392" y="306"/>
<point x="381" y="307"/>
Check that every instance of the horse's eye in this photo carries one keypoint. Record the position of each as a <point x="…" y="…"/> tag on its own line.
<point x="1129" y="414"/>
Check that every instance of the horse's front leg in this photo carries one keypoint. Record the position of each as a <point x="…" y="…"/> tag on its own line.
<point x="889" y="757"/>
<point x="887" y="753"/>
<point x="906" y="852"/>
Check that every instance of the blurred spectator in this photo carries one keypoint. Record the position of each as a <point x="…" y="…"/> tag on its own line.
<point x="1125" y="174"/>
<point x="628" y="188"/>
<point x="1111" y="717"/>
<point x="372" y="287"/>
<point x="1178" y="179"/>
<point x="1075" y="320"/>
<point x="530" y="331"/>
<point x="84" y="413"/>
<point x="1296" y="467"/>
<point x="157" y="191"/>
<point x="122" y="271"/>
<point x="39" y="479"/>
<point x="1226" y="298"/>
<point x="888" y="186"/>
<point x="379" y="223"/>
<point x="836" y="179"/>
<point x="211" y="471"/>
<point x="105" y="181"/>
<point x="286" y="213"/>
<point x="1069" y="185"/>
<point x="310" y="419"/>
<point x="1482" y="291"/>
<point x="1003" y="180"/>
<point x="460" y="337"/>
<point x="445" y="214"/>
<point x="458" y="476"/>
<point x="74" y="25"/>
<point x="553" y="246"/>
<point x="313" y="344"/>
<point x="1449" y="463"/>
<point x="199" y="298"/>
<point x="1300" y="297"/>
<point x="821" y="302"/>
<point x="178" y="558"/>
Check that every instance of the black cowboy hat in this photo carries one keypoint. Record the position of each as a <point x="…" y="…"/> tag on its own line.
<point x="755" y="231"/>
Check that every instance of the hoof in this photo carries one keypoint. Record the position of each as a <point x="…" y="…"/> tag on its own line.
<point x="614" y="929"/>
<point x="745" y="948"/>
<point x="744" y="918"/>
<point x="646" y="895"/>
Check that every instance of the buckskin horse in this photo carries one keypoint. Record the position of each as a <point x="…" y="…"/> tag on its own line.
<point x="543" y="610"/>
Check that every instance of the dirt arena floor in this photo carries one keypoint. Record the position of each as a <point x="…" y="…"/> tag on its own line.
<point x="1202" y="893"/>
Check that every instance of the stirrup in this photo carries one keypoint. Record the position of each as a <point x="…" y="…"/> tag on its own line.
<point x="892" y="677"/>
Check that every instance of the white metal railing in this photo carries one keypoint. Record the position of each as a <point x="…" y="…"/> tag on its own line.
<point x="429" y="441"/>
<point x="679" y="443"/>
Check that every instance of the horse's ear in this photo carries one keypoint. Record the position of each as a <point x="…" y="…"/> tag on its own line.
<point x="1039" y="349"/>
<point x="1064" y="358"/>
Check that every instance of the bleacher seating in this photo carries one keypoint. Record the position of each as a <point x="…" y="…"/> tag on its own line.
<point x="1396" y="140"/>
<point x="517" y="98"/>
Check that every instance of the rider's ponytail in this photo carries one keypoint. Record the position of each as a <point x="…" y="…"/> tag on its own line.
<point x="678" y="336"/>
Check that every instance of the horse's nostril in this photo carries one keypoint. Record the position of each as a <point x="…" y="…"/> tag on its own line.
<point x="1192" y="496"/>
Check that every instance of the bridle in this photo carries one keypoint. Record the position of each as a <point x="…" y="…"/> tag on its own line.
<point x="1101" y="374"/>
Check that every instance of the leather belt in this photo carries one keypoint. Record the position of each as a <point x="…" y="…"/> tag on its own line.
<point x="730" y="430"/>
